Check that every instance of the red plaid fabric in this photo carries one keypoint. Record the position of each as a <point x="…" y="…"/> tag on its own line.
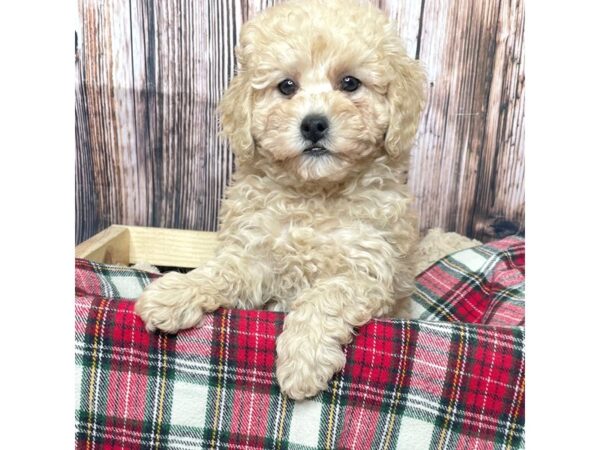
<point x="484" y="284"/>
<point x="407" y="384"/>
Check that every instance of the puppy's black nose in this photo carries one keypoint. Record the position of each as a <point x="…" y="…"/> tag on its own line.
<point x="314" y="127"/>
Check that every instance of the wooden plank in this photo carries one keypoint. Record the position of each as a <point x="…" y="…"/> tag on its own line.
<point x="169" y="247"/>
<point x="120" y="244"/>
<point x="109" y="246"/>
<point x="104" y="77"/>
<point x="500" y="189"/>
<point x="87" y="221"/>
<point x="469" y="48"/>
<point x="221" y="21"/>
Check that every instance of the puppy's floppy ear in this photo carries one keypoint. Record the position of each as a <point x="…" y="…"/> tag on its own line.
<point x="406" y="95"/>
<point x="236" y="110"/>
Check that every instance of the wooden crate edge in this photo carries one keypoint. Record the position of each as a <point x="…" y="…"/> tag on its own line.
<point x="110" y="246"/>
<point x="124" y="244"/>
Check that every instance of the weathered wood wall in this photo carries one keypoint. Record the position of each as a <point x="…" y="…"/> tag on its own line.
<point x="149" y="75"/>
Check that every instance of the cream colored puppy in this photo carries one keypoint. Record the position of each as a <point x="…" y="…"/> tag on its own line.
<point x="321" y="117"/>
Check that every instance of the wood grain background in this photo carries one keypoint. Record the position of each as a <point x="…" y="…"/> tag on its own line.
<point x="149" y="75"/>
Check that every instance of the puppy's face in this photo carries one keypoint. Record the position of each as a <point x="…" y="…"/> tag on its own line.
<point x="324" y="87"/>
<point x="319" y="111"/>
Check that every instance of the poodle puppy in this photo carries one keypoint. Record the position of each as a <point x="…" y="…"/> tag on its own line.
<point x="321" y="116"/>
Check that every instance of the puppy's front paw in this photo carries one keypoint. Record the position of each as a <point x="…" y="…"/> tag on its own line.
<point x="170" y="304"/>
<point x="304" y="369"/>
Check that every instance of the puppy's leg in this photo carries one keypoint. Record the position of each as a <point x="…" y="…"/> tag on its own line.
<point x="322" y="319"/>
<point x="177" y="301"/>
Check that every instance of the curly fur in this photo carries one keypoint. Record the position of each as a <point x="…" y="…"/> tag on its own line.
<point x="329" y="239"/>
<point x="436" y="244"/>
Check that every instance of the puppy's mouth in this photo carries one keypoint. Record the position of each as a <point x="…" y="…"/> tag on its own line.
<point x="315" y="150"/>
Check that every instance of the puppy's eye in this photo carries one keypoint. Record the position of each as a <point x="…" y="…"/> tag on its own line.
<point x="287" y="87"/>
<point x="349" y="84"/>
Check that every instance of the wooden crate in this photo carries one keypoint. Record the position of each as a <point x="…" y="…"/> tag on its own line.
<point x="122" y="244"/>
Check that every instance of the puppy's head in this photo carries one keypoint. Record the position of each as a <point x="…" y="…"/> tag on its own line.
<point x="323" y="88"/>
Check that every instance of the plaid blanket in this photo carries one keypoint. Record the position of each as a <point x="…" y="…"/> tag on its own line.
<point x="453" y="379"/>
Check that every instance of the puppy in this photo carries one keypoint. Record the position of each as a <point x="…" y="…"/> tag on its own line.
<point x="321" y="117"/>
